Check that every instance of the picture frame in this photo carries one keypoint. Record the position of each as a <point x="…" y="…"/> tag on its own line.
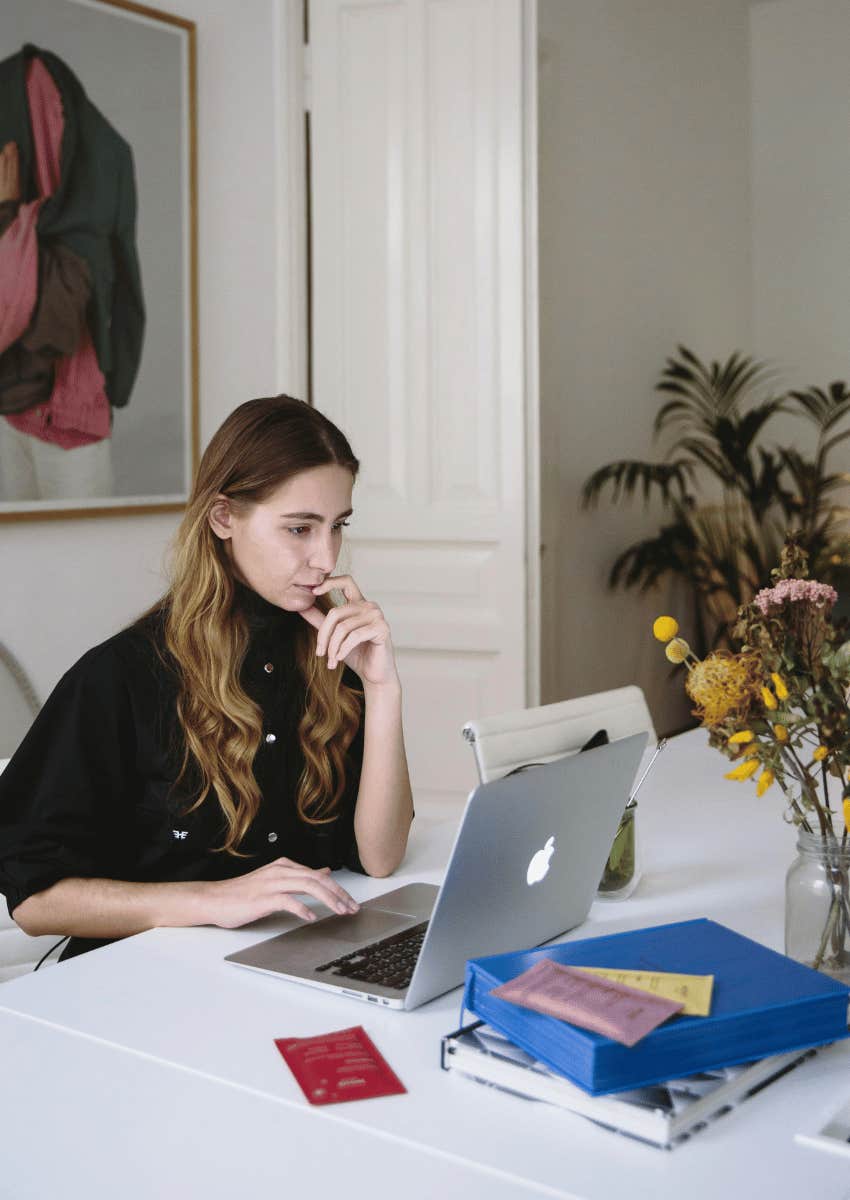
<point x="132" y="109"/>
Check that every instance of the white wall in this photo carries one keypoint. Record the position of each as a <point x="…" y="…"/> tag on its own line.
<point x="801" y="187"/>
<point x="67" y="585"/>
<point x="644" y="242"/>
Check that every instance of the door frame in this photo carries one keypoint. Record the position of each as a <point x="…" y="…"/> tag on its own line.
<point x="291" y="98"/>
<point x="533" y="467"/>
<point x="292" y="299"/>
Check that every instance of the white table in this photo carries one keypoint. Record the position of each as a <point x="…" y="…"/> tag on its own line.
<point x="148" y="1068"/>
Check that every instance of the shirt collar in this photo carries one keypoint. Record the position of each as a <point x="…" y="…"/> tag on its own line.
<point x="260" y="613"/>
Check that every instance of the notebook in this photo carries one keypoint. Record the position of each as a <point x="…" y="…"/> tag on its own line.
<point x="762" y="1004"/>
<point x="525" y="866"/>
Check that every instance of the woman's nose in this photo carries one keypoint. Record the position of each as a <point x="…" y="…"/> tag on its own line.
<point x="323" y="556"/>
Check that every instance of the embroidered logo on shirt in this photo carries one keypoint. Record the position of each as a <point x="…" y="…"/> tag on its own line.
<point x="180" y="833"/>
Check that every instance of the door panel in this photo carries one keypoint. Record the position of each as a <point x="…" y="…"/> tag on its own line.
<point x="416" y="119"/>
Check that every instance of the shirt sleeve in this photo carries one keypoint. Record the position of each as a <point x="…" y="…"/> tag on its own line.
<point x="63" y="793"/>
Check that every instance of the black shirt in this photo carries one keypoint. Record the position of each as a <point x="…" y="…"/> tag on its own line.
<point x="90" y="791"/>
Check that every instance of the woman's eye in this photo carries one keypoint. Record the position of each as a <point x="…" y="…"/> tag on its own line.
<point x="298" y="530"/>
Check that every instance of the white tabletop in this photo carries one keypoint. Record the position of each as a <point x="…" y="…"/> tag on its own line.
<point x="153" y="1060"/>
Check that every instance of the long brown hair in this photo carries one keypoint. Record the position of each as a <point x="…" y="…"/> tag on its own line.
<point x="261" y="445"/>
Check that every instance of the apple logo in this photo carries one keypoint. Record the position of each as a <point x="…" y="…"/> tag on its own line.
<point x="538" y="868"/>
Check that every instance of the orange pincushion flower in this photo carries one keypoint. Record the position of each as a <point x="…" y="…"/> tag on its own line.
<point x="723" y="685"/>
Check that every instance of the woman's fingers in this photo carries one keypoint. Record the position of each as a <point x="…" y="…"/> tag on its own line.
<point x="356" y="638"/>
<point x="277" y="886"/>
<point x="340" y="583"/>
<point x="360" y="620"/>
<point x="292" y="877"/>
<point x="342" y="621"/>
<point x="350" y="634"/>
<point x="288" y="903"/>
<point x="337" y="616"/>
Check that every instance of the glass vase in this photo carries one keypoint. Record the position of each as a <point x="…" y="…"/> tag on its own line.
<point x="817" y="905"/>
<point x="621" y="874"/>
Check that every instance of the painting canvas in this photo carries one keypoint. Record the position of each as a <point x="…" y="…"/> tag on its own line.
<point x="98" y="343"/>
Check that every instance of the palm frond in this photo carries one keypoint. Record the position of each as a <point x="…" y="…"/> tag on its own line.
<point x="630" y="476"/>
<point x="825" y="408"/>
<point x="718" y="414"/>
<point x="704" y="393"/>
<point x="712" y="457"/>
<point x="647" y="562"/>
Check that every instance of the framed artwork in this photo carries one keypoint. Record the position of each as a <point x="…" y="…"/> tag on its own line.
<point x="98" y="259"/>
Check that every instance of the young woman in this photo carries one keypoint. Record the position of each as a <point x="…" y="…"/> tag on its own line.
<point x="216" y="760"/>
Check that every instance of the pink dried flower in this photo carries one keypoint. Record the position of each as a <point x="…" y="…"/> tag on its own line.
<point x="793" y="591"/>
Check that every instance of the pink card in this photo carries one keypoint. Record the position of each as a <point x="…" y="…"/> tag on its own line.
<point x="339" y="1066"/>
<point x="612" y="1009"/>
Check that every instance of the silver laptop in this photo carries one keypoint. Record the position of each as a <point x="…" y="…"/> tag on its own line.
<point x="525" y="866"/>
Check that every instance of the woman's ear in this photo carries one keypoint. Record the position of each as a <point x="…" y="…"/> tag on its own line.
<point x="220" y="518"/>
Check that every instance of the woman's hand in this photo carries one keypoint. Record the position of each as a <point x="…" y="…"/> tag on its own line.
<point x="273" y="888"/>
<point x="355" y="633"/>
<point x="10" y="181"/>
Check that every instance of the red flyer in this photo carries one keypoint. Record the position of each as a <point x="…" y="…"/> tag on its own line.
<point x="339" y="1066"/>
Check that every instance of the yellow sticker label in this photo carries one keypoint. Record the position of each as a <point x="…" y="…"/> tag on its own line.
<point x="693" y="991"/>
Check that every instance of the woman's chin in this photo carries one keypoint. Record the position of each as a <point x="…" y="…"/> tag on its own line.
<point x="297" y="599"/>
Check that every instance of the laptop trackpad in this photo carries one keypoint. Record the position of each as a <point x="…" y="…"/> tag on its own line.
<point x="369" y="925"/>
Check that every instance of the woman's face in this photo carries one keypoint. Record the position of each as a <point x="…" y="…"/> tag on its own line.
<point x="287" y="544"/>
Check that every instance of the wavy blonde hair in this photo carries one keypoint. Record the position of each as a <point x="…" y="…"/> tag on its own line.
<point x="260" y="446"/>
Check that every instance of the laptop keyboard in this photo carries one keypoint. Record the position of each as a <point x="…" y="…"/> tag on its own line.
<point x="390" y="962"/>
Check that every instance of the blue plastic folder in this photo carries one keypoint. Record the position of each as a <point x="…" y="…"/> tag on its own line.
<point x="762" y="1003"/>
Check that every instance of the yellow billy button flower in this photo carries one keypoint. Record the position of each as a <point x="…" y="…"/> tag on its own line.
<point x="744" y="770"/>
<point x="780" y="733"/>
<point x="779" y="686"/>
<point x="764" y="781"/>
<point x="768" y="698"/>
<point x="741" y="737"/>
<point x="665" y="628"/>
<point x="677" y="650"/>
<point x="820" y="753"/>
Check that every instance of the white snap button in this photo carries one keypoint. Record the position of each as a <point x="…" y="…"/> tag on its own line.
<point x="272" y="837"/>
<point x="268" y="668"/>
<point x="271" y="738"/>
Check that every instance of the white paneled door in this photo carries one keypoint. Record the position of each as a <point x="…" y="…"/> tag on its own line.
<point x="418" y="308"/>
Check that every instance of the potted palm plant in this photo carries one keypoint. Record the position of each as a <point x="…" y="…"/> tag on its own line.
<point x="728" y="494"/>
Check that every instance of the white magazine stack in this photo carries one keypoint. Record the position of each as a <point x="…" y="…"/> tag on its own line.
<point x="664" y="1114"/>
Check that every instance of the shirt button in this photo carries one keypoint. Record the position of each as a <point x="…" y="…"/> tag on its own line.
<point x="271" y="738"/>
<point x="268" y="668"/>
<point x="272" y="837"/>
